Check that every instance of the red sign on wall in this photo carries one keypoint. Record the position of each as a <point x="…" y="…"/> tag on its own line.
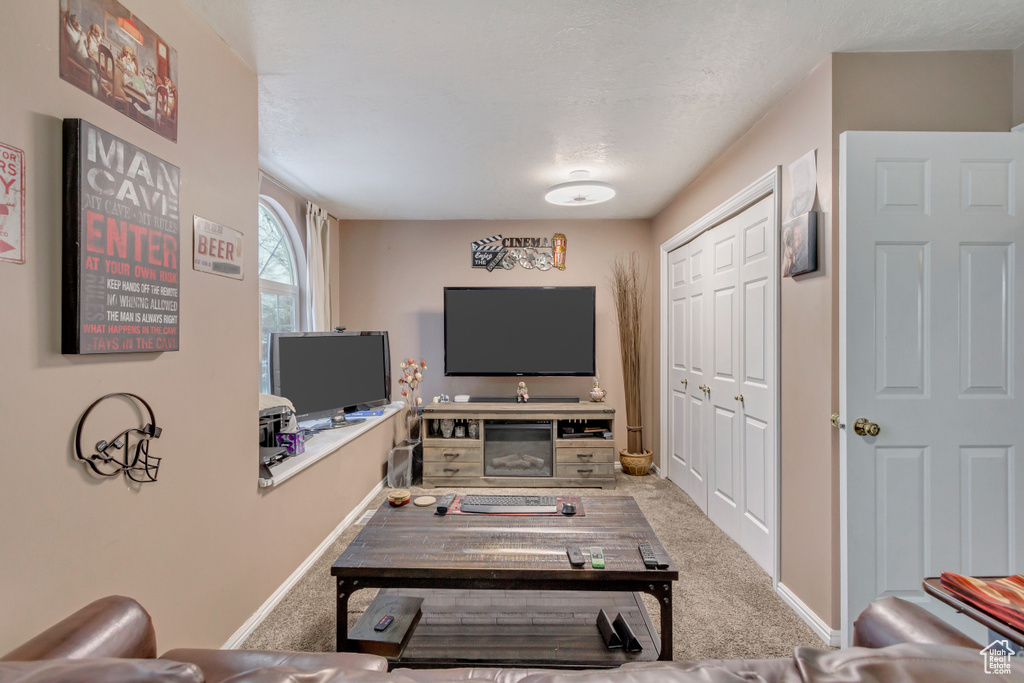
<point x="12" y="204"/>
<point x="121" y="245"/>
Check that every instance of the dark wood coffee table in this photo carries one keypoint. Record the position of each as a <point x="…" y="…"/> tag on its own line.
<point x="413" y="548"/>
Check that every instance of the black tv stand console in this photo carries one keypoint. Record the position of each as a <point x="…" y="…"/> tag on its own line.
<point x="533" y="399"/>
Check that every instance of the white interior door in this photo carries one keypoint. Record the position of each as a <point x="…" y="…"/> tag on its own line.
<point x="723" y="381"/>
<point x="758" y="391"/>
<point x="741" y="397"/>
<point x="930" y="340"/>
<point x="722" y="341"/>
<point x="686" y="342"/>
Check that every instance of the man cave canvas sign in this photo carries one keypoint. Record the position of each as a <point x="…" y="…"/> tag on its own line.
<point x="121" y="245"/>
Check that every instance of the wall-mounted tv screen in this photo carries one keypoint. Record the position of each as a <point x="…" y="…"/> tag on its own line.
<point x="513" y="331"/>
<point x="327" y="374"/>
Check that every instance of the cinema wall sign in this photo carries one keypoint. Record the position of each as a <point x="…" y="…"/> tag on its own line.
<point x="121" y="245"/>
<point x="541" y="253"/>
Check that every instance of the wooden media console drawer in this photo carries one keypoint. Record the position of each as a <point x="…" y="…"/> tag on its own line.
<point x="455" y="453"/>
<point x="565" y="455"/>
<point x="447" y="470"/>
<point x="601" y="470"/>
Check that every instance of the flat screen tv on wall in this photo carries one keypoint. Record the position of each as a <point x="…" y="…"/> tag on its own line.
<point x="519" y="331"/>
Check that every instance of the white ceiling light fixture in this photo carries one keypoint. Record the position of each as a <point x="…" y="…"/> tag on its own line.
<point x="580" y="191"/>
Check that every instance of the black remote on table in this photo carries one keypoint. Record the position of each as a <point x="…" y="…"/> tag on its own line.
<point x="384" y="622"/>
<point x="445" y="503"/>
<point x="647" y="553"/>
<point x="575" y="556"/>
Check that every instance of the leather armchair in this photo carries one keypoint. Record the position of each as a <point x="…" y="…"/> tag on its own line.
<point x="891" y="621"/>
<point x="116" y="635"/>
<point x="114" y="626"/>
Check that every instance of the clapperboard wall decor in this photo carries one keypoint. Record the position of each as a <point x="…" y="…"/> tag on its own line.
<point x="488" y="253"/>
<point x="541" y="253"/>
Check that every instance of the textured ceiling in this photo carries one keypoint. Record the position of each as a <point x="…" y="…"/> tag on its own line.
<point x="446" y="109"/>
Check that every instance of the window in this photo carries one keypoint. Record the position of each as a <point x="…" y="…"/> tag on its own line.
<point x="279" y="285"/>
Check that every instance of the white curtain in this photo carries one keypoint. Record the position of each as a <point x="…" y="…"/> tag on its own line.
<point x="318" y="268"/>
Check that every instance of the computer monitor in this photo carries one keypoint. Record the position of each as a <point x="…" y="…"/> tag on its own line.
<point x="328" y="374"/>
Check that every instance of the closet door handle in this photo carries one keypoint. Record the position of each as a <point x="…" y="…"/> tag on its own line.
<point x="684" y="382"/>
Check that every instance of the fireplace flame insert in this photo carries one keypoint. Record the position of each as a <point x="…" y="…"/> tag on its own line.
<point x="519" y="448"/>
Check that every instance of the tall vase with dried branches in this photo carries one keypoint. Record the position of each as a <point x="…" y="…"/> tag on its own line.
<point x="412" y="376"/>
<point x="629" y="289"/>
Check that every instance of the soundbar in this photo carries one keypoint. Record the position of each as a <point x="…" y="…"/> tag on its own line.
<point x="533" y="399"/>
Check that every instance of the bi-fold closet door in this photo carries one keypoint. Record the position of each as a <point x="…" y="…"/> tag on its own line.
<point x="722" y="356"/>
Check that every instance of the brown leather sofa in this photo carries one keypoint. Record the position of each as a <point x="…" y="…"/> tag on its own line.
<point x="114" y="636"/>
<point x="113" y="640"/>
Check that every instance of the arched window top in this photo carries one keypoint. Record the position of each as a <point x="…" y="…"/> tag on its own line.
<point x="276" y="260"/>
<point x="281" y="267"/>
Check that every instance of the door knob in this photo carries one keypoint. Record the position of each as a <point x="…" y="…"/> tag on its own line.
<point x="739" y="398"/>
<point x="705" y="388"/>
<point x="835" y="421"/>
<point x="684" y="382"/>
<point x="865" y="428"/>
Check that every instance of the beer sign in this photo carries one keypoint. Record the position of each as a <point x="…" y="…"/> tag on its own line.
<point x="216" y="249"/>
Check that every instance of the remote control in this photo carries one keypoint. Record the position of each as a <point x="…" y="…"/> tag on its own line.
<point x="596" y="558"/>
<point x="647" y="553"/>
<point x="384" y="622"/>
<point x="575" y="556"/>
<point x="445" y="503"/>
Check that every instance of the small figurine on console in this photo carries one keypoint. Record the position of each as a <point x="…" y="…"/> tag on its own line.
<point x="522" y="393"/>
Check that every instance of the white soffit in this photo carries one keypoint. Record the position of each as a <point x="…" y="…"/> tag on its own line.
<point x="449" y="109"/>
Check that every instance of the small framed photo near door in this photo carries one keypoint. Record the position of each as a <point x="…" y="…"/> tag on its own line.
<point x="800" y="245"/>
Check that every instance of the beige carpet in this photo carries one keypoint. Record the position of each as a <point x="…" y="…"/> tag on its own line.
<point x="724" y="605"/>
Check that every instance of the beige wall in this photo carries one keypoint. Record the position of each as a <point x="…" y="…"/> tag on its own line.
<point x="943" y="91"/>
<point x="799" y="122"/>
<point x="396" y="271"/>
<point x="202" y="548"/>
<point x="1018" y="86"/>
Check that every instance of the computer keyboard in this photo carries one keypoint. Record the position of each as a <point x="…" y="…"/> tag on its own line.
<point x="509" y="504"/>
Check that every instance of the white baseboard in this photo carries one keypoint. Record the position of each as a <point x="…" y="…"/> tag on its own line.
<point x="1018" y="129"/>
<point x="829" y="636"/>
<point x="654" y="468"/>
<point x="257" y="618"/>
